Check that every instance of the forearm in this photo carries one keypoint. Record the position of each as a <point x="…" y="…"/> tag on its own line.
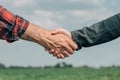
<point x="12" y="27"/>
<point x="31" y="33"/>
<point x="44" y="38"/>
<point x="36" y="34"/>
<point x="98" y="33"/>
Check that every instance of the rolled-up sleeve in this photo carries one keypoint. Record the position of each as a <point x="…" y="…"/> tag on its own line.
<point x="101" y="32"/>
<point x="12" y="27"/>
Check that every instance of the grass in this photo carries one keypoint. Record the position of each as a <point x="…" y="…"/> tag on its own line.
<point x="82" y="73"/>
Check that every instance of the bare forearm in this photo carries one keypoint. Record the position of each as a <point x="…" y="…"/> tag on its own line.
<point x="30" y="33"/>
<point x="35" y="34"/>
<point x="44" y="38"/>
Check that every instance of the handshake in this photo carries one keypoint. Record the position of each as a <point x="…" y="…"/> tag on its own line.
<point x="57" y="42"/>
<point x="60" y="43"/>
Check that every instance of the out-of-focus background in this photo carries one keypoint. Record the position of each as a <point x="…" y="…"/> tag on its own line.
<point x="68" y="14"/>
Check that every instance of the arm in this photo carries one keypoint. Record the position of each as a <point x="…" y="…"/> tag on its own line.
<point x="44" y="38"/>
<point x="101" y="32"/>
<point x="13" y="28"/>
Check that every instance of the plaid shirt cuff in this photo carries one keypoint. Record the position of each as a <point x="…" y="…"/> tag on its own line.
<point x="12" y="27"/>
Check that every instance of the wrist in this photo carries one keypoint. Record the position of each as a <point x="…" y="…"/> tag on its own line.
<point x="35" y="34"/>
<point x="30" y="33"/>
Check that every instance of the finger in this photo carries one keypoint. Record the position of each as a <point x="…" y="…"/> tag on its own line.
<point x="65" y="53"/>
<point x="55" y="32"/>
<point x="72" y="44"/>
<point x="65" y="32"/>
<point x="55" y="52"/>
<point x="60" y="56"/>
<point x="62" y="31"/>
<point x="68" y="48"/>
<point x="52" y="51"/>
<point x="58" y="53"/>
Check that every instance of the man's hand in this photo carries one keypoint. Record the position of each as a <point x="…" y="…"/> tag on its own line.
<point x="64" y="32"/>
<point x="62" y="45"/>
<point x="61" y="31"/>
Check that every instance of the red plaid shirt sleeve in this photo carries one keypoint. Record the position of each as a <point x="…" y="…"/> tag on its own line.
<point x="12" y="27"/>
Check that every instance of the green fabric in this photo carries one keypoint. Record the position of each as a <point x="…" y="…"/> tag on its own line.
<point x="101" y="32"/>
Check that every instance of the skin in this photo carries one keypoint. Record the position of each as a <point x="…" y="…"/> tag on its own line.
<point x="64" y="32"/>
<point x="62" y="44"/>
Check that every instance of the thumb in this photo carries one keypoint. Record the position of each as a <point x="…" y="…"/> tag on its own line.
<point x="54" y="32"/>
<point x="58" y="31"/>
<point x="61" y="31"/>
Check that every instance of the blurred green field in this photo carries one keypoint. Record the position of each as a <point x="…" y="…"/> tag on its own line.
<point x="83" y="73"/>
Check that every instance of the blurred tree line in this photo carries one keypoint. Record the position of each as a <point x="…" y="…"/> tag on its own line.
<point x="58" y="65"/>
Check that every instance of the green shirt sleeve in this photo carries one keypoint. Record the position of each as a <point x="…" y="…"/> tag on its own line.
<point x="101" y="32"/>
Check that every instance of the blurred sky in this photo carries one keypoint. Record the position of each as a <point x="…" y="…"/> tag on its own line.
<point x="69" y="14"/>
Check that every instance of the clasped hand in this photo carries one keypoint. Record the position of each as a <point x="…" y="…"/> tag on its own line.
<point x="67" y="46"/>
<point x="58" y="42"/>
